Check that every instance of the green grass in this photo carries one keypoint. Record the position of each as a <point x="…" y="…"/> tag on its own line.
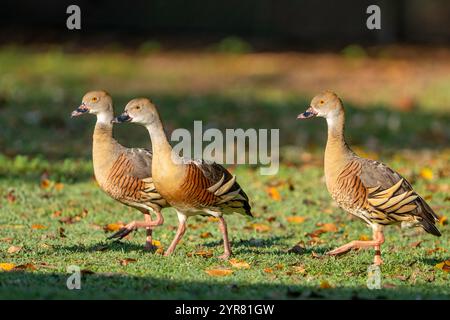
<point x="38" y="139"/>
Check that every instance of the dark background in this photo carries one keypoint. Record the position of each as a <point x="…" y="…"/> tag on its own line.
<point x="267" y="24"/>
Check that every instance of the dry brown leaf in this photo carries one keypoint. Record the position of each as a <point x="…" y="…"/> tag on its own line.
<point x="7" y="266"/>
<point x="38" y="226"/>
<point x="443" y="220"/>
<point x="219" y="272"/>
<point x="45" y="183"/>
<point x="444" y="266"/>
<point x="268" y="270"/>
<point x="160" y="250"/>
<point x="325" y="285"/>
<point x="7" y="239"/>
<point x="11" y="197"/>
<point x="205" y="235"/>
<point x="14" y="249"/>
<point x="26" y="266"/>
<point x="126" y="261"/>
<point x="416" y="244"/>
<point x="295" y="219"/>
<point x="273" y="193"/>
<point x="201" y="253"/>
<point x="239" y="264"/>
<point x="56" y="214"/>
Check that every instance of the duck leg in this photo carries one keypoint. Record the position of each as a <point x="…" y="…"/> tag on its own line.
<point x="149" y="239"/>
<point x="378" y="240"/>
<point x="226" y="241"/>
<point x="180" y="232"/>
<point x="134" y="225"/>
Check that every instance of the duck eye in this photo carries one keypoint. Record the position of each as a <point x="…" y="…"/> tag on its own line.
<point x="322" y="102"/>
<point x="94" y="99"/>
<point x="138" y="107"/>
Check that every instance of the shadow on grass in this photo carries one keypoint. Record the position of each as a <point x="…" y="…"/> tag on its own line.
<point x="34" y="285"/>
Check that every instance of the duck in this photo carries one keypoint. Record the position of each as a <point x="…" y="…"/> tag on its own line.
<point x="367" y="189"/>
<point x="122" y="173"/>
<point x="192" y="187"/>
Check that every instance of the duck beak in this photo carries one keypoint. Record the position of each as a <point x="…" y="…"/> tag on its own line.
<point x="80" y="110"/>
<point x="309" y="113"/>
<point x="124" y="117"/>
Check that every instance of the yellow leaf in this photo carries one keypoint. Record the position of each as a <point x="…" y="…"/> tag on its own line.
<point x="268" y="270"/>
<point x="259" y="227"/>
<point x="325" y="285"/>
<point x="443" y="220"/>
<point x="114" y="226"/>
<point x="219" y="272"/>
<point x="14" y="249"/>
<point x="38" y="226"/>
<point x="364" y="237"/>
<point x="160" y="250"/>
<point x="295" y="219"/>
<point x="444" y="266"/>
<point x="329" y="227"/>
<point x="239" y="264"/>
<point x="299" y="269"/>
<point x="426" y="173"/>
<point x="156" y="243"/>
<point x="274" y="194"/>
<point x="202" y="253"/>
<point x="7" y="266"/>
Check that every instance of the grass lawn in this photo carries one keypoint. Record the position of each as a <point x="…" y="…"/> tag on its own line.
<point x="53" y="215"/>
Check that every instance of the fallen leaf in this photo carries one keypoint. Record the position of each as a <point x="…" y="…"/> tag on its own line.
<point x="329" y="227"/>
<point x="56" y="214"/>
<point x="160" y="250"/>
<point x="299" y="269"/>
<point x="59" y="186"/>
<point x="416" y="244"/>
<point x="325" y="285"/>
<point x="156" y="243"/>
<point x="114" y="226"/>
<point x="239" y="264"/>
<point x="7" y="266"/>
<point x="86" y="272"/>
<point x="219" y="272"/>
<point x="14" y="249"/>
<point x="7" y="239"/>
<point x="426" y="173"/>
<point x="295" y="219"/>
<point x="444" y="266"/>
<point x="26" y="266"/>
<point x="401" y="277"/>
<point x="259" y="227"/>
<point x="45" y="183"/>
<point x="127" y="261"/>
<point x="11" y="197"/>
<point x="205" y="235"/>
<point x="268" y="270"/>
<point x="443" y="220"/>
<point x="38" y="227"/>
<point x="364" y="237"/>
<point x="279" y="266"/>
<point x="213" y="219"/>
<point x="201" y="253"/>
<point x="273" y="193"/>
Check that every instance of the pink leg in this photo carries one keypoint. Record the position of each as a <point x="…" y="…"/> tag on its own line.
<point x="123" y="232"/>
<point x="226" y="241"/>
<point x="148" y="240"/>
<point x="378" y="240"/>
<point x="180" y="232"/>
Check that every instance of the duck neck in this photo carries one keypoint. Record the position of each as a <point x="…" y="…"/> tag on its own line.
<point x="103" y="145"/>
<point x="164" y="163"/>
<point x="337" y="152"/>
